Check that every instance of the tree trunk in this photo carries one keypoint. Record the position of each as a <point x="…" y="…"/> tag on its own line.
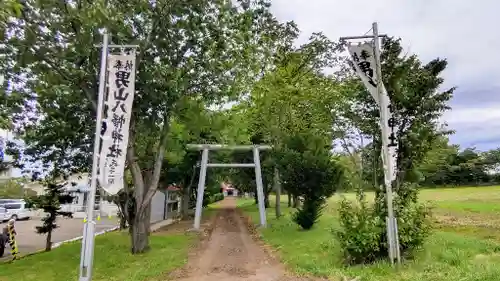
<point x="123" y="222"/>
<point x="145" y="186"/>
<point x="277" y="187"/>
<point x="122" y="215"/>
<point x="139" y="230"/>
<point x="186" y="192"/>
<point x="48" y="241"/>
<point x="186" y="196"/>
<point x="147" y="218"/>
<point x="266" y="197"/>
<point x="139" y="233"/>
<point x="295" y="201"/>
<point x="289" y="199"/>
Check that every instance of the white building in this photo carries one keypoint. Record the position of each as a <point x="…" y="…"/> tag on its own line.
<point x="228" y="189"/>
<point x="80" y="193"/>
<point x="165" y="204"/>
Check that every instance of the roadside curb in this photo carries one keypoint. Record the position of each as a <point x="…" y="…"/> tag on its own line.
<point x="58" y="244"/>
<point x="163" y="223"/>
<point x="154" y="227"/>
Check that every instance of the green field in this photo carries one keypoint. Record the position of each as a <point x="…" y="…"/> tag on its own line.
<point x="465" y="245"/>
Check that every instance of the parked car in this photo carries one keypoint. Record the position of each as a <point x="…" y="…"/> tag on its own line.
<point x="3" y="201"/>
<point x="3" y="214"/>
<point x="16" y="210"/>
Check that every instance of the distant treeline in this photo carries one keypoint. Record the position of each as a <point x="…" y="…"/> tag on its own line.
<point x="445" y="165"/>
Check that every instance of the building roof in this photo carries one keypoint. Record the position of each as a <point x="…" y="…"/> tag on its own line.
<point x="172" y="187"/>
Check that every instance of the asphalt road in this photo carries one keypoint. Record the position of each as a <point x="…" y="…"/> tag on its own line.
<point x="29" y="241"/>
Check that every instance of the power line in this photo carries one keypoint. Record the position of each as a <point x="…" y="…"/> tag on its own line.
<point x="368" y="31"/>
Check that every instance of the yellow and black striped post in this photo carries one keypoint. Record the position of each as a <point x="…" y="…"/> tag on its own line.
<point x="12" y="241"/>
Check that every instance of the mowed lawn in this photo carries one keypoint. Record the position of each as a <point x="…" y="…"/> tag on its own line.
<point x="465" y="245"/>
<point x="113" y="261"/>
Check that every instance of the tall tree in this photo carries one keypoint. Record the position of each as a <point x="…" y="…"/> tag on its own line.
<point x="433" y="168"/>
<point x="50" y="202"/>
<point x="418" y="104"/>
<point x="294" y="98"/>
<point x="195" y="123"/>
<point x="210" y="50"/>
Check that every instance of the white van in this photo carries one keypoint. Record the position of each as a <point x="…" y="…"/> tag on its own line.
<point x="3" y="215"/>
<point x="16" y="210"/>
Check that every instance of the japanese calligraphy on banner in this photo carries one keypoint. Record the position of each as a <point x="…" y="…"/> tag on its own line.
<point x="363" y="63"/>
<point x="116" y="121"/>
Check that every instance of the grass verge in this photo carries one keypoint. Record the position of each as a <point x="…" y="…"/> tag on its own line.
<point x="448" y="254"/>
<point x="112" y="260"/>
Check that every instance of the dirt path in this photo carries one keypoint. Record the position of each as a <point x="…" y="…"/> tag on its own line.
<point x="230" y="254"/>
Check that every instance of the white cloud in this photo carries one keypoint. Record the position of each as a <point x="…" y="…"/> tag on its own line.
<point x="464" y="32"/>
<point x="473" y="115"/>
<point x="476" y="126"/>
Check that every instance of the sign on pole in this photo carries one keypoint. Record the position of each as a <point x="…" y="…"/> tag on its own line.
<point x="363" y="62"/>
<point x="366" y="64"/>
<point x="116" y="121"/>
<point x="111" y="137"/>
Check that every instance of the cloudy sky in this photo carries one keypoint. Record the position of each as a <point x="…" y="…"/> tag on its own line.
<point x="465" y="32"/>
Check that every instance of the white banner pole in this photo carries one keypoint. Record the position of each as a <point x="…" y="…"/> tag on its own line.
<point x="87" y="254"/>
<point x="384" y="119"/>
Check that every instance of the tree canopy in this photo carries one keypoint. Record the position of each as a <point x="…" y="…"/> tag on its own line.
<point x="221" y="72"/>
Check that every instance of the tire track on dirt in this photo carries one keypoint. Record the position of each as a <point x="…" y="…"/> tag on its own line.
<point x="230" y="254"/>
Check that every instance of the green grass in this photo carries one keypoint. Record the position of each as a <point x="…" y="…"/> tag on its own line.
<point x="465" y="245"/>
<point x="112" y="262"/>
<point x="112" y="259"/>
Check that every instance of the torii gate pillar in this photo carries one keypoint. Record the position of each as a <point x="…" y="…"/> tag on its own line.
<point x="205" y="148"/>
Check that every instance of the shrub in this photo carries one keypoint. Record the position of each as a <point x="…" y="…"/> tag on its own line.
<point x="362" y="235"/>
<point x="414" y="225"/>
<point x="212" y="199"/>
<point x="309" y="213"/>
<point x="308" y="170"/>
<point x="209" y="193"/>
<point x="216" y="197"/>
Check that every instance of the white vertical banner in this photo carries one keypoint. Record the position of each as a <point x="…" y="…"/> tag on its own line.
<point x="363" y="63"/>
<point x="116" y="121"/>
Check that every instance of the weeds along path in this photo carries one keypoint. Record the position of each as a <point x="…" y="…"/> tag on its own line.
<point x="230" y="254"/>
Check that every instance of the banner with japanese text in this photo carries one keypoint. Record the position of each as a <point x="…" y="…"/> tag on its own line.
<point x="363" y="63"/>
<point x="116" y="121"/>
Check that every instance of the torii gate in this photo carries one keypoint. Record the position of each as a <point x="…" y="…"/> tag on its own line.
<point x="205" y="148"/>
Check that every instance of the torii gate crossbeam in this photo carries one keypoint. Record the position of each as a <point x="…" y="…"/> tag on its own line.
<point x="206" y="148"/>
